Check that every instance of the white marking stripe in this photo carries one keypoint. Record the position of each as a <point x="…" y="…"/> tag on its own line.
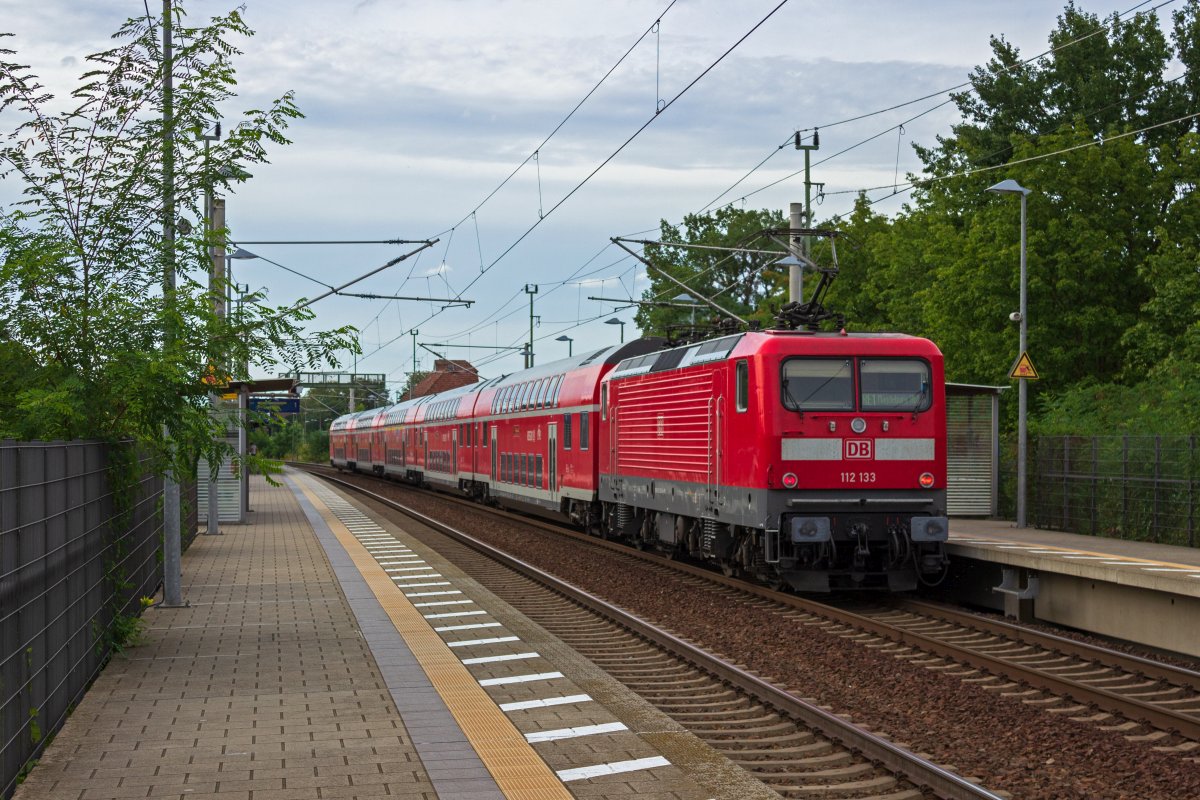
<point x="1055" y="552"/>
<point x="541" y="676"/>
<point x="1014" y="547"/>
<point x="407" y="560"/>
<point x="432" y="594"/>
<point x="812" y="449"/>
<point x="1090" y="558"/>
<point x="419" y="585"/>
<point x="1126" y="563"/>
<point x="573" y="733"/>
<point x="494" y="659"/>
<point x="472" y="627"/>
<point x="473" y="642"/>
<point x="444" y="603"/>
<point x="615" y="768"/>
<point x="412" y="569"/>
<point x="455" y="614"/>
<point x="1165" y="569"/>
<point x="549" y="701"/>
<point x="904" y="450"/>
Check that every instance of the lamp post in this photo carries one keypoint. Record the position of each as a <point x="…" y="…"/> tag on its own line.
<point x="1012" y="187"/>
<point x="570" y="343"/>
<point x="615" y="321"/>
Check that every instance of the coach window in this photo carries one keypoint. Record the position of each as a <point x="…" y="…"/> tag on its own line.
<point x="567" y="431"/>
<point x="743" y="385"/>
<point x="894" y="384"/>
<point x="604" y="401"/>
<point x="818" y="384"/>
<point x="583" y="429"/>
<point x="543" y="387"/>
<point x="538" y="481"/>
<point x="558" y="382"/>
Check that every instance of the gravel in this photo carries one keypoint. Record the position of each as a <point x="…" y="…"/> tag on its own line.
<point x="1003" y="743"/>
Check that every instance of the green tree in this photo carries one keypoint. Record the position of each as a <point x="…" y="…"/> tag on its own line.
<point x="83" y="255"/>
<point x="745" y="283"/>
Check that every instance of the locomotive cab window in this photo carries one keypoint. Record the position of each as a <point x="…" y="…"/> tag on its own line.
<point x="894" y="384"/>
<point x="743" y="385"/>
<point x="818" y="384"/>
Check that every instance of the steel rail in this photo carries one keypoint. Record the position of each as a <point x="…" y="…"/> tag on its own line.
<point x="1137" y="665"/>
<point x="1165" y="719"/>
<point x="919" y="771"/>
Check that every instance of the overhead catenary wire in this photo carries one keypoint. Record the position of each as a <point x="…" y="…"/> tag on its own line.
<point x="609" y="158"/>
<point x="858" y="117"/>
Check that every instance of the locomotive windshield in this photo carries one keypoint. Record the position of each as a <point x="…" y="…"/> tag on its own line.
<point x="894" y="384"/>
<point x="885" y="384"/>
<point x="818" y="384"/>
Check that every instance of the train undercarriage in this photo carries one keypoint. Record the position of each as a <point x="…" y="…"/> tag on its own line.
<point x="844" y="552"/>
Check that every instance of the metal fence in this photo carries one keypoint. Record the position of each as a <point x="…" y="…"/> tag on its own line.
<point x="1127" y="487"/>
<point x="74" y="556"/>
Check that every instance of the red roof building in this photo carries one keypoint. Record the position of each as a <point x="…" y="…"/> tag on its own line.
<point x="447" y="374"/>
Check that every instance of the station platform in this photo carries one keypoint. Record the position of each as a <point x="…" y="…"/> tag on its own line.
<point x="324" y="653"/>
<point x="1140" y="591"/>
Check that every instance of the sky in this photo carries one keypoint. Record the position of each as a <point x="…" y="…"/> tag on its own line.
<point x="415" y="110"/>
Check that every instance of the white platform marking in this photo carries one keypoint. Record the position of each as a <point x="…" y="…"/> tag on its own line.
<point x="615" y="768"/>
<point x="573" y="733"/>
<point x="454" y="614"/>
<point x="473" y="642"/>
<point x="546" y="703"/>
<point x="444" y="603"/>
<point x="418" y="585"/>
<point x="472" y="627"/>
<point x="541" y="676"/>
<point x="494" y="659"/>
<point x="432" y="594"/>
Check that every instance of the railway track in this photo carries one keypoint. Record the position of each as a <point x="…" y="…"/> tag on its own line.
<point x="794" y="746"/>
<point x="1085" y="682"/>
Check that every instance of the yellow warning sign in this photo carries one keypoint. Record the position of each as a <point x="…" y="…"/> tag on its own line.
<point x="1023" y="368"/>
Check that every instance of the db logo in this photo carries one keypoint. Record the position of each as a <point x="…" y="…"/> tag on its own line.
<point x="858" y="448"/>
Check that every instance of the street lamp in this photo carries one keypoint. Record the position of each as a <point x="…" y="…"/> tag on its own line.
<point x="570" y="343"/>
<point x="1012" y="187"/>
<point x="615" y="321"/>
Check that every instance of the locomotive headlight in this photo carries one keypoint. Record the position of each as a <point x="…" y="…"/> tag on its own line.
<point x="858" y="424"/>
<point x="926" y="480"/>
<point x="790" y="481"/>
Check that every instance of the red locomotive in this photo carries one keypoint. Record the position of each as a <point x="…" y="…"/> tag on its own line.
<point x="814" y="460"/>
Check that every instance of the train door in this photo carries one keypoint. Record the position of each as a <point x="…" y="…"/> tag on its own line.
<point x="493" y="449"/>
<point x="454" y="450"/>
<point x="552" y="462"/>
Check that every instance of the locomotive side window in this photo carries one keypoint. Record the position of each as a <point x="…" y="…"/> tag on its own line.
<point x="583" y="429"/>
<point x="743" y="385"/>
<point x="894" y="384"/>
<point x="818" y="384"/>
<point x="566" y="431"/>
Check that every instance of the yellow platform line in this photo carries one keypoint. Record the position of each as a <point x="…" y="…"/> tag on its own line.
<point x="517" y="769"/>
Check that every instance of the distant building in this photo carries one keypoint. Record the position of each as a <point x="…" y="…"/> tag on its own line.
<point x="447" y="374"/>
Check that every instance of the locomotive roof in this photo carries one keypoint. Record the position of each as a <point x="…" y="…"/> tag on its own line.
<point x="723" y="347"/>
